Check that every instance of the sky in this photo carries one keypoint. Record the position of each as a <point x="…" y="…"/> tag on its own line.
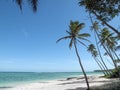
<point x="28" y="40"/>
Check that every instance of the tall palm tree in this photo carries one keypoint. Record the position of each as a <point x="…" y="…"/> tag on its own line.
<point x="74" y="36"/>
<point x="32" y="3"/>
<point x="95" y="28"/>
<point x="108" y="43"/>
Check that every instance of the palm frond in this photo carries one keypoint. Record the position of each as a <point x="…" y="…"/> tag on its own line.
<point x="110" y="35"/>
<point x="84" y="35"/>
<point x="72" y="25"/>
<point x="82" y="43"/>
<point x="117" y="48"/>
<point x="34" y="4"/>
<point x="107" y="39"/>
<point x="95" y="26"/>
<point x="105" y="54"/>
<point x="66" y="37"/>
<point x="19" y="2"/>
<point x="117" y="37"/>
<point x="84" y="39"/>
<point x="94" y="53"/>
<point x="101" y="42"/>
<point x="68" y="32"/>
<point x="79" y="27"/>
<point x="91" y="47"/>
<point x="71" y="43"/>
<point x="92" y="50"/>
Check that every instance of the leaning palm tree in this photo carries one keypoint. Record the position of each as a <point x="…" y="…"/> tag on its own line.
<point x="95" y="28"/>
<point x="94" y="53"/>
<point x="108" y="42"/>
<point x="33" y="4"/>
<point x="74" y="36"/>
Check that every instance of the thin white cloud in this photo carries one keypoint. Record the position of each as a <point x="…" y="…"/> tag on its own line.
<point x="46" y="63"/>
<point x="25" y="33"/>
<point x="10" y="60"/>
<point x="7" y="61"/>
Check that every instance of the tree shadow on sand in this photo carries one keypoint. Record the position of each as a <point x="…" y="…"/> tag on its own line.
<point x="81" y="82"/>
<point x="1" y="88"/>
<point x="78" y="89"/>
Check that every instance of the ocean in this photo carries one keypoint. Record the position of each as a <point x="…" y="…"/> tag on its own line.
<point x="9" y="79"/>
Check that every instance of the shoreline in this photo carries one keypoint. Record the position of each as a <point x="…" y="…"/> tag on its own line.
<point x="72" y="83"/>
<point x="37" y="77"/>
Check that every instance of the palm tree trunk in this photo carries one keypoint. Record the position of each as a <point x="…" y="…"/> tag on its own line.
<point x="98" y="62"/>
<point x="106" y="70"/>
<point x="88" y="88"/>
<point x="116" y="55"/>
<point x="100" y="53"/>
<point x="110" y="56"/>
<point x="115" y="61"/>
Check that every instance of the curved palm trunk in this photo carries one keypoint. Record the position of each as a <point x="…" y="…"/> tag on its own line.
<point x="100" y="53"/>
<point x="116" y="55"/>
<point x="115" y="61"/>
<point x="110" y="56"/>
<point x="98" y="62"/>
<point x="88" y="88"/>
<point x="113" y="54"/>
<point x="106" y="71"/>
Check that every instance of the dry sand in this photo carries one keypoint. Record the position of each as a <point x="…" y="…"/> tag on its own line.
<point x="74" y="83"/>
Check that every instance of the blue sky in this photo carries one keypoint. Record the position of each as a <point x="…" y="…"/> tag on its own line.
<point x="28" y="40"/>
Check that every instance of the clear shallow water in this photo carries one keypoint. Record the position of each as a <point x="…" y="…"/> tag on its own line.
<point x="12" y="78"/>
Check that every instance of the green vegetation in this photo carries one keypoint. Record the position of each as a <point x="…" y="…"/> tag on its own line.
<point x="115" y="73"/>
<point x="101" y="70"/>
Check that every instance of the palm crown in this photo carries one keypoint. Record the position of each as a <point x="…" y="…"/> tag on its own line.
<point x="93" y="50"/>
<point x="108" y="39"/>
<point x="73" y="33"/>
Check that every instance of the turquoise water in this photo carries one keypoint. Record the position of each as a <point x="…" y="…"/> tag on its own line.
<point x="11" y="78"/>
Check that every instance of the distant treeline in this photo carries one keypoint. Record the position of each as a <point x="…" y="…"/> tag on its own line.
<point x="102" y="70"/>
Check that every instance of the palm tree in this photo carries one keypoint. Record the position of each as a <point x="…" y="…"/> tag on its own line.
<point x="94" y="53"/>
<point x="108" y="43"/>
<point x="95" y="27"/>
<point x="74" y="36"/>
<point x="33" y="4"/>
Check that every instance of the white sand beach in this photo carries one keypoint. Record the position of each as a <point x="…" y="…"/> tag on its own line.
<point x="73" y="83"/>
